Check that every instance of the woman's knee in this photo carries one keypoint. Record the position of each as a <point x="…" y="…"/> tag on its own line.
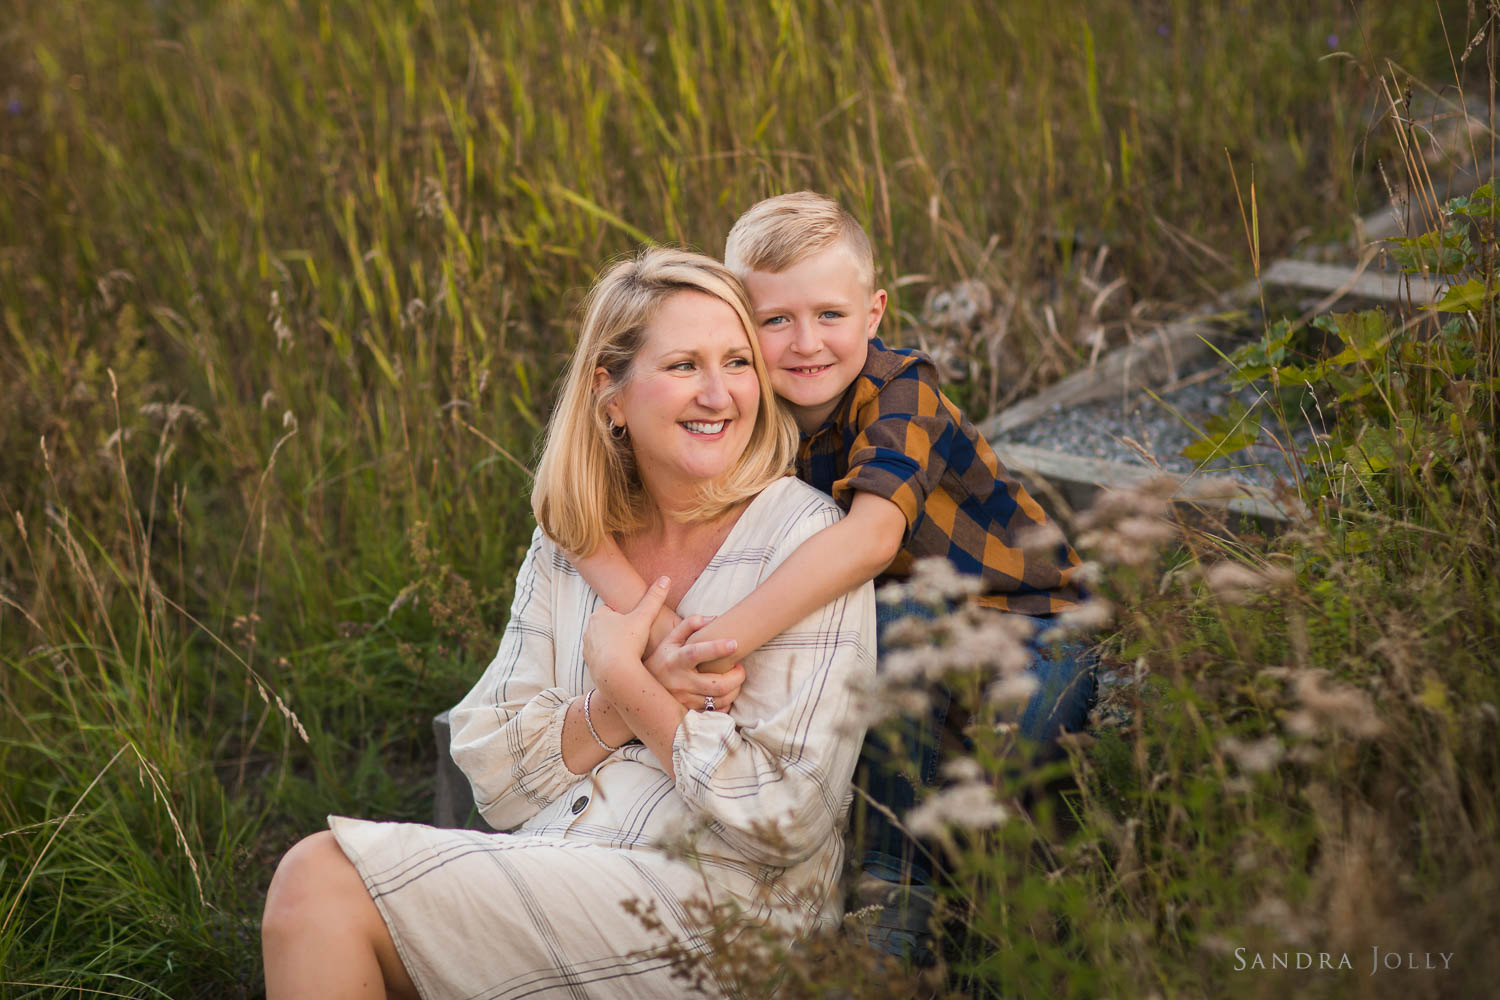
<point x="314" y="879"/>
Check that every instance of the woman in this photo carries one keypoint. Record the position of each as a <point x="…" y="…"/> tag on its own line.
<point x="666" y="436"/>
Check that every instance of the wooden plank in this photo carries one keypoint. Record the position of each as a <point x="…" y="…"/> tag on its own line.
<point x="1154" y="360"/>
<point x="1341" y="281"/>
<point x="1078" y="479"/>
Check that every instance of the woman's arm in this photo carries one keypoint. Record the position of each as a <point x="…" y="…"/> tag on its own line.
<point x="828" y="565"/>
<point x="519" y="735"/>
<point x="775" y="777"/>
<point x="617" y="583"/>
<point x="613" y="646"/>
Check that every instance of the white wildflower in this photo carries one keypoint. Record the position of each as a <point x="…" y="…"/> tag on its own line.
<point x="1016" y="689"/>
<point x="1150" y="499"/>
<point x="1041" y="538"/>
<point x="907" y="666"/>
<point x="1088" y="573"/>
<point x="1090" y="616"/>
<point x="1236" y="583"/>
<point x="968" y="805"/>
<point x="117" y="437"/>
<point x="962" y="769"/>
<point x="1326" y="705"/>
<point x="277" y="319"/>
<point x="1253" y="756"/>
<point x="934" y="582"/>
<point x="171" y="414"/>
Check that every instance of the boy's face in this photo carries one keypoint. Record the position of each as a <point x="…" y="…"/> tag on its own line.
<point x="814" y="321"/>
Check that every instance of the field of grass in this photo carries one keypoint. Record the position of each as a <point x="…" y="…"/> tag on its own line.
<point x="284" y="288"/>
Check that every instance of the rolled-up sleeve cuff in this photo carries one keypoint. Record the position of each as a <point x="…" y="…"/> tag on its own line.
<point x="898" y="482"/>
<point x="700" y="745"/>
<point x="552" y="738"/>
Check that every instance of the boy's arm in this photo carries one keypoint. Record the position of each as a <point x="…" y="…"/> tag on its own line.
<point x="617" y="583"/>
<point x="825" y="567"/>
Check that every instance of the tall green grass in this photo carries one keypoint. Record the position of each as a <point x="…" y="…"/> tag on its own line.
<point x="284" y="287"/>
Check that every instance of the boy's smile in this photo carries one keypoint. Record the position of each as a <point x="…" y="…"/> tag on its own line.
<point x="814" y="320"/>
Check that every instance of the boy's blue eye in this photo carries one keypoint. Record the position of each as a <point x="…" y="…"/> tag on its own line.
<point x="773" y="320"/>
<point x="831" y="314"/>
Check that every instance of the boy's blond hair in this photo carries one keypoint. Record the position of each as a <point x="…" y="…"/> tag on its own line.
<point x="780" y="232"/>
<point x="586" y="482"/>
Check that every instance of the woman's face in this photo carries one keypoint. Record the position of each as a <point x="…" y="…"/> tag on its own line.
<point x="691" y="397"/>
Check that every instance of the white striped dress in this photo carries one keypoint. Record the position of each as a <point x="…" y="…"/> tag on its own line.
<point x="754" y="818"/>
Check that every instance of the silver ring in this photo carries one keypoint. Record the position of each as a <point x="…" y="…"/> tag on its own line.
<point x="708" y="703"/>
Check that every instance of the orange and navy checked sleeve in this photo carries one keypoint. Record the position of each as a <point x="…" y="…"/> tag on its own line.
<point x="908" y="443"/>
<point x="899" y="445"/>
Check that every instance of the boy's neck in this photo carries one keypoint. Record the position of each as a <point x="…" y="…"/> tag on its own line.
<point x="808" y="421"/>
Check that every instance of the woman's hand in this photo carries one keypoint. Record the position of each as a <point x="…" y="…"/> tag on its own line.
<point x="674" y="664"/>
<point x="614" y="643"/>
<point x="613" y="640"/>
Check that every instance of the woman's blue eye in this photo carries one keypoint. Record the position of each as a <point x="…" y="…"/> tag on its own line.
<point x="681" y="366"/>
<point x="740" y="362"/>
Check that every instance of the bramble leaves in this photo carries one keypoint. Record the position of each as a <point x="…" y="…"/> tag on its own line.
<point x="1445" y="252"/>
<point x="1225" y="434"/>
<point x="1467" y="297"/>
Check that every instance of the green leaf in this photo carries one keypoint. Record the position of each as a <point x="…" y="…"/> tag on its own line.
<point x="1438" y="252"/>
<point x="1468" y="297"/>
<point x="1365" y="335"/>
<point x="1224" y="434"/>
<point x="1479" y="204"/>
<point x="1256" y="359"/>
<point x="1295" y="375"/>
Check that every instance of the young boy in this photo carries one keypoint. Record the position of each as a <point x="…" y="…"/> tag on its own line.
<point x="912" y="473"/>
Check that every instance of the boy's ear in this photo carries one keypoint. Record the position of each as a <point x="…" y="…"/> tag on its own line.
<point x="877" y="310"/>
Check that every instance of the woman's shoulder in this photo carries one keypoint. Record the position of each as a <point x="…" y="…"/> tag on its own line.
<point x="545" y="557"/>
<point x="790" y="510"/>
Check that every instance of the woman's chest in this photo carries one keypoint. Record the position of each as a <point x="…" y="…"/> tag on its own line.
<point x="680" y="563"/>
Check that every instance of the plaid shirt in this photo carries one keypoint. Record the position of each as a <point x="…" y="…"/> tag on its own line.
<point x="896" y="435"/>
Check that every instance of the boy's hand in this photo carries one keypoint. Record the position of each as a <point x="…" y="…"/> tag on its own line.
<point x="675" y="661"/>
<point x="666" y="620"/>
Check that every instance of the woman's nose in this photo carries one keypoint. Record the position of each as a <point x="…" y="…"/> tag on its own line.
<point x="712" y="392"/>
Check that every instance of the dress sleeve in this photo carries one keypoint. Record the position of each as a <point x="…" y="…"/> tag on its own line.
<point x="774" y="779"/>
<point x="901" y="446"/>
<point x="507" y="731"/>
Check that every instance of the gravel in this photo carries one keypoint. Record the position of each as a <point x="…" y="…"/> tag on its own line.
<point x="1162" y="428"/>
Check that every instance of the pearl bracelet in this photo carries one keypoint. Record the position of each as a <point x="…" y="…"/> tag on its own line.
<point x="588" y="721"/>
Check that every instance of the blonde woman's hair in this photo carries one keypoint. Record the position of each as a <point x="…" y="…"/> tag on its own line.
<point x="586" y="483"/>
<point x="780" y="232"/>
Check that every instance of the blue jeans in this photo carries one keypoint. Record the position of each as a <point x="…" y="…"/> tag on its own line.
<point x="1061" y="703"/>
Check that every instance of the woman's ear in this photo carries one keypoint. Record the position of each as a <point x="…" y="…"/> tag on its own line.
<point x="602" y="385"/>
